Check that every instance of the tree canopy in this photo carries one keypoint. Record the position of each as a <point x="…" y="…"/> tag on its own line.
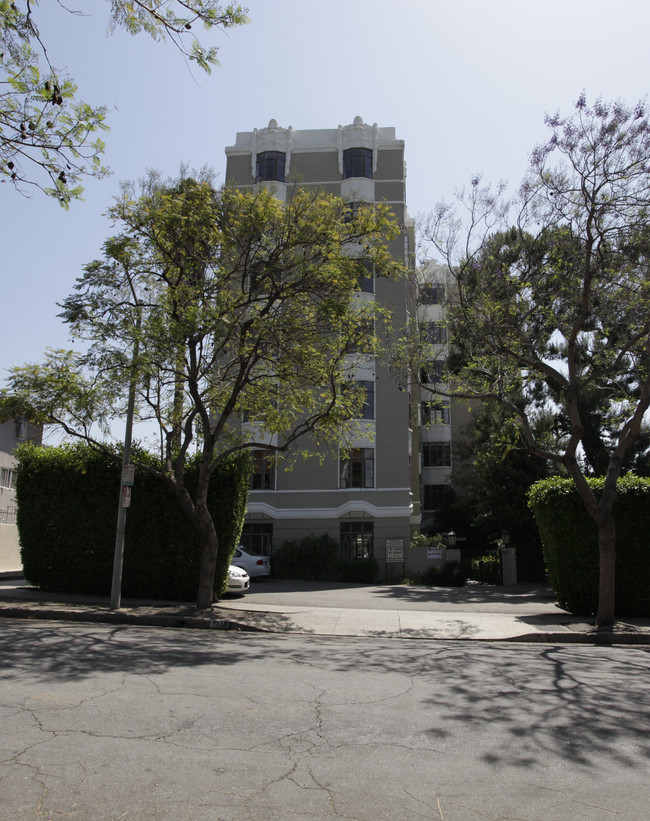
<point x="550" y="306"/>
<point x="48" y="137"/>
<point x="232" y="315"/>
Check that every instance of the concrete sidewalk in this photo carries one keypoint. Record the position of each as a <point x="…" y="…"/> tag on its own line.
<point x="455" y="623"/>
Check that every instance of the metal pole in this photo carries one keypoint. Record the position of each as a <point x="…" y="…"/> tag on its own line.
<point x="116" y="587"/>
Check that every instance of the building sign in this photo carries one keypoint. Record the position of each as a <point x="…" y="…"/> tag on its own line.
<point x="434" y="553"/>
<point x="394" y="550"/>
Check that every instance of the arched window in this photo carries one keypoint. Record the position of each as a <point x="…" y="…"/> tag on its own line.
<point x="270" y="166"/>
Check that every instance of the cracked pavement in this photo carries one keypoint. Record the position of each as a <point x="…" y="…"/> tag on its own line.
<point x="119" y="723"/>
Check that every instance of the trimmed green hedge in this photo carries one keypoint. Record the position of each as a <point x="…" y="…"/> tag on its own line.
<point x="312" y="558"/>
<point x="316" y="558"/>
<point x="67" y="514"/>
<point x="570" y="541"/>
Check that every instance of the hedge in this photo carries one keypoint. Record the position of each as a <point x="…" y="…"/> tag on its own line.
<point x="570" y="542"/>
<point x="67" y="511"/>
<point x="316" y="558"/>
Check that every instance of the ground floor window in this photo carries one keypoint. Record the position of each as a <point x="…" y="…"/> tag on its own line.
<point x="357" y="540"/>
<point x="7" y="477"/>
<point x="257" y="536"/>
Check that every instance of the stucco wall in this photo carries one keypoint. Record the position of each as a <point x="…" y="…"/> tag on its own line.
<point x="9" y="548"/>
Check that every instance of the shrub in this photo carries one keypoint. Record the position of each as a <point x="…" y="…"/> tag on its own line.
<point x="570" y="541"/>
<point x="449" y="575"/>
<point x="67" y="512"/>
<point x="357" y="571"/>
<point x="313" y="558"/>
<point x="486" y="568"/>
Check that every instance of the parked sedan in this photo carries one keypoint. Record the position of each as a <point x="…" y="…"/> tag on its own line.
<point x="253" y="563"/>
<point x="238" y="580"/>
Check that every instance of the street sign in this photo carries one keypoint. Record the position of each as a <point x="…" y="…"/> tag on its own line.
<point x="128" y="475"/>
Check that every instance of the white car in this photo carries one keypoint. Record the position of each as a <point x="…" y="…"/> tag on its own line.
<point x="238" y="580"/>
<point x="253" y="563"/>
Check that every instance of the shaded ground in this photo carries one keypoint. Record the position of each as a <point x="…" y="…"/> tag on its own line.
<point x="112" y="723"/>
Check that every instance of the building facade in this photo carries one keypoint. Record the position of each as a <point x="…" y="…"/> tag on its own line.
<point x="11" y="435"/>
<point x="365" y="496"/>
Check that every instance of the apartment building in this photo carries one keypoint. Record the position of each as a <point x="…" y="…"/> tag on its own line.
<point x="435" y="411"/>
<point x="367" y="497"/>
<point x="11" y="435"/>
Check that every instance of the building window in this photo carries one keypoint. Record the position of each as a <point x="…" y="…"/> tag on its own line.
<point x="270" y="166"/>
<point x="435" y="412"/>
<point x="362" y="339"/>
<point x="433" y="497"/>
<point x="434" y="332"/>
<point x="257" y="536"/>
<point x="366" y="278"/>
<point x="430" y="293"/>
<point x="7" y="477"/>
<point x="357" y="469"/>
<point x="432" y="372"/>
<point x="357" y="162"/>
<point x="368" y="410"/>
<point x="357" y="540"/>
<point x="262" y="475"/>
<point x="19" y="429"/>
<point x="367" y="391"/>
<point x="436" y="455"/>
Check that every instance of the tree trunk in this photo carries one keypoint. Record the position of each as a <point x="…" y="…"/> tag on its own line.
<point x="197" y="512"/>
<point x="208" y="546"/>
<point x="605" y="616"/>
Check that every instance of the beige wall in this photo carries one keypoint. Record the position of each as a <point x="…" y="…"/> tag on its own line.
<point x="9" y="549"/>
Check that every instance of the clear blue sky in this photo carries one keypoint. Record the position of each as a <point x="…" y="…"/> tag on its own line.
<point x="465" y="83"/>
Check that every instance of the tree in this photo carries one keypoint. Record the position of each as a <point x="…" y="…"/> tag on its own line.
<point x="551" y="305"/>
<point x="49" y="138"/>
<point x="241" y="308"/>
<point x="495" y="470"/>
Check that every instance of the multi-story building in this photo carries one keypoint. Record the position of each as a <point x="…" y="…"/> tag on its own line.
<point x="11" y="434"/>
<point x="367" y="498"/>
<point x="434" y="429"/>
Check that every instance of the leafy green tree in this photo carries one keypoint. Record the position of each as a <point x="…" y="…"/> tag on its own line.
<point x="551" y="302"/>
<point x="48" y="137"/>
<point x="495" y="470"/>
<point x="241" y="308"/>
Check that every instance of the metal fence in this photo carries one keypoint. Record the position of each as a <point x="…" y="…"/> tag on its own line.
<point x="8" y="516"/>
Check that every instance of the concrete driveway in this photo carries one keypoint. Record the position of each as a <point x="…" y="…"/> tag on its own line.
<point x="521" y="599"/>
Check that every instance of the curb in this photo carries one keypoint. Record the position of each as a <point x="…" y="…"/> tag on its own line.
<point x="217" y="622"/>
<point x="120" y="617"/>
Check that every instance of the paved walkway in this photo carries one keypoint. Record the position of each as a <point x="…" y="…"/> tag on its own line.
<point x="485" y="613"/>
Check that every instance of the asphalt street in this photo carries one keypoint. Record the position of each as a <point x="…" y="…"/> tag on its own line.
<point x="111" y="722"/>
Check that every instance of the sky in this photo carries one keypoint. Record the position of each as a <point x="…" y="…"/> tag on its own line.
<point x="465" y="83"/>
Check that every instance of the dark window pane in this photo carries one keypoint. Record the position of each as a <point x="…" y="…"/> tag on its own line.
<point x="433" y="497"/>
<point x="357" y="162"/>
<point x="270" y="166"/>
<point x="257" y="537"/>
<point x="436" y="454"/>
<point x="435" y="412"/>
<point x="429" y="294"/>
<point x="358" y="468"/>
<point x="262" y="475"/>
<point x="357" y="540"/>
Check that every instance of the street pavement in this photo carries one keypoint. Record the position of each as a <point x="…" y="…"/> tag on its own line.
<point x="104" y="722"/>
<point x="525" y="613"/>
